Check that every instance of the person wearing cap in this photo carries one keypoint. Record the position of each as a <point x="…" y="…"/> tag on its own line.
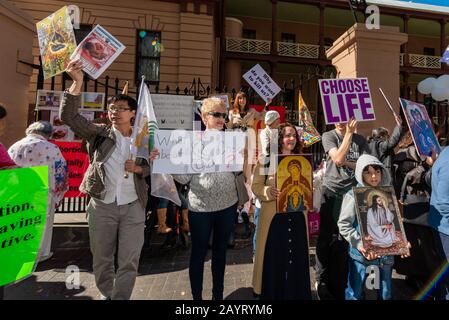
<point x="268" y="135"/>
<point x="36" y="150"/>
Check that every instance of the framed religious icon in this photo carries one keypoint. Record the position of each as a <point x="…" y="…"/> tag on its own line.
<point x="380" y="221"/>
<point x="294" y="181"/>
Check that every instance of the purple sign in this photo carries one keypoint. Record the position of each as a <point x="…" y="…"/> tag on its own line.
<point x="343" y="99"/>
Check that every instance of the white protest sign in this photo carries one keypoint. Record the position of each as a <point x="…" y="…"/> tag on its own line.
<point x="190" y="152"/>
<point x="173" y="111"/>
<point x="262" y="83"/>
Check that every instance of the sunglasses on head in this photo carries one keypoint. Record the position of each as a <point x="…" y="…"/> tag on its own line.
<point x="217" y="114"/>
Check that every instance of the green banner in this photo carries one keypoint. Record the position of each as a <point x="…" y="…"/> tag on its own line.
<point x="23" y="209"/>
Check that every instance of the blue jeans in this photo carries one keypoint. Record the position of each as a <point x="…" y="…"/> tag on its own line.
<point x="201" y="226"/>
<point x="442" y="247"/>
<point x="357" y="275"/>
<point x="256" y="223"/>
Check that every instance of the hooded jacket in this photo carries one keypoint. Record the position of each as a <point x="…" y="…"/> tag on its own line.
<point x="347" y="223"/>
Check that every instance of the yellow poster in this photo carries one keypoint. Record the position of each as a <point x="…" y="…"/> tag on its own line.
<point x="56" y="42"/>
<point x="294" y="181"/>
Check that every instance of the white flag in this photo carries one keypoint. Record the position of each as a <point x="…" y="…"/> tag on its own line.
<point x="142" y="142"/>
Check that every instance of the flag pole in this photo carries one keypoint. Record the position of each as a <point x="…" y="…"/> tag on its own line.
<point x="131" y="155"/>
<point x="388" y="102"/>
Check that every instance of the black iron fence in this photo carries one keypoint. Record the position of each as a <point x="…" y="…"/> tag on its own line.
<point x="288" y="97"/>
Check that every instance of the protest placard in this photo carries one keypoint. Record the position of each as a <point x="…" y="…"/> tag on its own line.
<point x="97" y="51"/>
<point x="421" y="128"/>
<point x="343" y="99"/>
<point x="184" y="152"/>
<point x="262" y="83"/>
<point x="56" y="42"/>
<point x="77" y="163"/>
<point x="173" y="111"/>
<point x="23" y="211"/>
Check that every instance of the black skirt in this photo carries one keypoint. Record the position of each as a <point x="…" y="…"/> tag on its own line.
<point x="286" y="274"/>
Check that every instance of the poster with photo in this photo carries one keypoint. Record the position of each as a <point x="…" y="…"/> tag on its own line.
<point x="421" y="128"/>
<point x="93" y="100"/>
<point x="97" y="51"/>
<point x="61" y="132"/>
<point x="294" y="181"/>
<point x="48" y="99"/>
<point x="380" y="221"/>
<point x="56" y="42"/>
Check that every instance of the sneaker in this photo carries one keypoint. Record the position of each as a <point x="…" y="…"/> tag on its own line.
<point x="323" y="292"/>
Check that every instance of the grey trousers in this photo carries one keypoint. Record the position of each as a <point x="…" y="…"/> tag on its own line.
<point x="109" y="224"/>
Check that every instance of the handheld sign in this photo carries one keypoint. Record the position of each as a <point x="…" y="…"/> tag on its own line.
<point x="97" y="51"/>
<point x="262" y="83"/>
<point x="420" y="126"/>
<point x="343" y="99"/>
<point x="23" y="210"/>
<point x="56" y="42"/>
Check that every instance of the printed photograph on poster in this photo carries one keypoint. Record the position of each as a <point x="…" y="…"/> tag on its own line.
<point x="97" y="51"/>
<point x="92" y="100"/>
<point x="56" y="42"/>
<point x="421" y="128"/>
<point x="380" y="221"/>
<point x="262" y="83"/>
<point x="294" y="181"/>
<point x="343" y="99"/>
<point x="61" y="132"/>
<point x="48" y="100"/>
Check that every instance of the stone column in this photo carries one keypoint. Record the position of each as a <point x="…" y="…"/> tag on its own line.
<point x="374" y="54"/>
<point x="19" y="29"/>
<point x="233" y="68"/>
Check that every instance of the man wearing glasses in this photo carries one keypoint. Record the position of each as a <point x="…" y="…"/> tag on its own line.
<point x="116" y="186"/>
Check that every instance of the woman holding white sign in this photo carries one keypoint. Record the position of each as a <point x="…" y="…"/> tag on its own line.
<point x="212" y="202"/>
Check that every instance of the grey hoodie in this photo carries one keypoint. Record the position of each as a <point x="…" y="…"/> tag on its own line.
<point x="346" y="222"/>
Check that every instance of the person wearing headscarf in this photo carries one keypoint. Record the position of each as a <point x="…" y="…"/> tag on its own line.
<point x="36" y="150"/>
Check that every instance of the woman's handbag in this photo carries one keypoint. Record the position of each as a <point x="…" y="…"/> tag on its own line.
<point x="242" y="192"/>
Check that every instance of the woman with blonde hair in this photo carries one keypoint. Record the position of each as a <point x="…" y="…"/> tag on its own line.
<point x="212" y="203"/>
